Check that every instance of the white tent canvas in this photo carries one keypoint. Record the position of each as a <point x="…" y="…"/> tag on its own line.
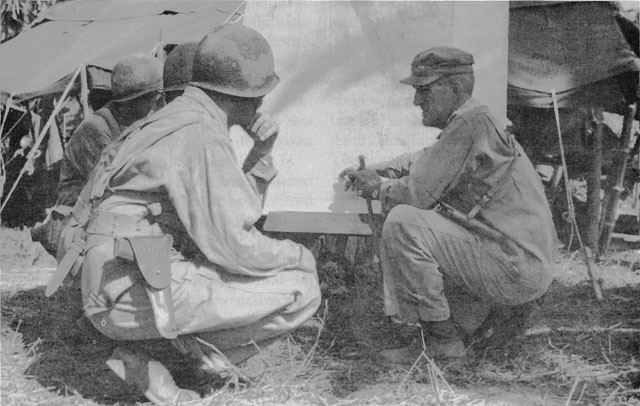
<point x="340" y="64"/>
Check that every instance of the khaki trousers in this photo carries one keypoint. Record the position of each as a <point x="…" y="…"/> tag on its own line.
<point x="434" y="268"/>
<point x="225" y="309"/>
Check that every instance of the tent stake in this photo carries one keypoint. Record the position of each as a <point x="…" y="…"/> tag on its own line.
<point x="84" y="91"/>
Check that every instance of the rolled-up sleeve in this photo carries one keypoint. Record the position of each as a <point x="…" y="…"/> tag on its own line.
<point x="261" y="176"/>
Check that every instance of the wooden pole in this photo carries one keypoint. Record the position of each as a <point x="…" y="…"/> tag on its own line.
<point x="7" y="107"/>
<point x="594" y="185"/>
<point x="621" y="158"/>
<point x="84" y="91"/>
<point x="592" y="269"/>
<point x="375" y="257"/>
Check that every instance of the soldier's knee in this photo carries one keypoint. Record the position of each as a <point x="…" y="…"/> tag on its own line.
<point x="399" y="218"/>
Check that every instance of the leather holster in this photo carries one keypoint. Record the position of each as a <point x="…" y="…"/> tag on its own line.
<point x="152" y="255"/>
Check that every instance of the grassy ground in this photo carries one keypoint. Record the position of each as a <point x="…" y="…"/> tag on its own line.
<point x="576" y="351"/>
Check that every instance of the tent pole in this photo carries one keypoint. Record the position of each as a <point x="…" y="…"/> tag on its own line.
<point x="6" y="112"/>
<point x="35" y="148"/>
<point x="592" y="269"/>
<point x="594" y="183"/>
<point x="609" y="211"/>
<point x="84" y="91"/>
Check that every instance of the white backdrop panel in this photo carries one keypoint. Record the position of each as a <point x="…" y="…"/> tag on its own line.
<point x="340" y="64"/>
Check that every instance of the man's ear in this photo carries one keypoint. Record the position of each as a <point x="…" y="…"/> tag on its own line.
<point x="457" y="87"/>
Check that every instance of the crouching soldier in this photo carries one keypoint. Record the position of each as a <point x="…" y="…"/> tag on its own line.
<point x="136" y="85"/>
<point x="468" y="228"/>
<point x="166" y="227"/>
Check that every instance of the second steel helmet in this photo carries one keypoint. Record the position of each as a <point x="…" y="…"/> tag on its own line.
<point x="178" y="66"/>
<point x="236" y="60"/>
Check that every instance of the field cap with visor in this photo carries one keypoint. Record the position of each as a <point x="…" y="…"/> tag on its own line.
<point x="135" y="75"/>
<point x="434" y="63"/>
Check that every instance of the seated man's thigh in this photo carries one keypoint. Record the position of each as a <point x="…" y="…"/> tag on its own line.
<point x="465" y="259"/>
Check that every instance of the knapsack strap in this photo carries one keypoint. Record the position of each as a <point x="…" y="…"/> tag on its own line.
<point x="131" y="149"/>
<point x="486" y="198"/>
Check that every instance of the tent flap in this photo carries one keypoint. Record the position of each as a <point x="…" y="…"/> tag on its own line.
<point x="97" y="33"/>
<point x="564" y="47"/>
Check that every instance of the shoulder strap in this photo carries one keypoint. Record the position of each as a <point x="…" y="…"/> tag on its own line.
<point x="117" y="157"/>
<point x="486" y="198"/>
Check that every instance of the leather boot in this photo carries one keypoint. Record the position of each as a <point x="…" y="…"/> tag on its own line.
<point x="507" y="323"/>
<point x="149" y="376"/>
<point x="441" y="341"/>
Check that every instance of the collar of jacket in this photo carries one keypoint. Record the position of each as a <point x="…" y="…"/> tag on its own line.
<point x="200" y="97"/>
<point x="468" y="105"/>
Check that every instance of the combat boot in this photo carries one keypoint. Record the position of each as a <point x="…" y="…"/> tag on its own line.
<point x="442" y="340"/>
<point x="149" y="376"/>
<point x="507" y="323"/>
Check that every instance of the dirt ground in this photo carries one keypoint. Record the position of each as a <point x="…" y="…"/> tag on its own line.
<point x="575" y="350"/>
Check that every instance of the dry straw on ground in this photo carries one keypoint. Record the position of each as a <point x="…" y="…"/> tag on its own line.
<point x="576" y="351"/>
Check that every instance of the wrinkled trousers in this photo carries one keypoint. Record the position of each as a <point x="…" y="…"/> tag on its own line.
<point x="434" y="269"/>
<point x="227" y="310"/>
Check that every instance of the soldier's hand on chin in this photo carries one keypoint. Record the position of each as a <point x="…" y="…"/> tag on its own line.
<point x="264" y="132"/>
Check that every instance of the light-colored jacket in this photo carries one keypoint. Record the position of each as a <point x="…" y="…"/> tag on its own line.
<point x="471" y="154"/>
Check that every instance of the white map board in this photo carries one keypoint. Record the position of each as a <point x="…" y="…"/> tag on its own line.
<point x="340" y="63"/>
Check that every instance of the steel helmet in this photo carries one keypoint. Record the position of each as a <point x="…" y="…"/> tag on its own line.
<point x="135" y="75"/>
<point x="178" y="66"/>
<point x="236" y="60"/>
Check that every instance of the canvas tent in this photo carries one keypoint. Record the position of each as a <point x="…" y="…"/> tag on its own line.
<point x="587" y="53"/>
<point x="581" y="51"/>
<point x="71" y="41"/>
<point x="577" y="49"/>
<point x="97" y="33"/>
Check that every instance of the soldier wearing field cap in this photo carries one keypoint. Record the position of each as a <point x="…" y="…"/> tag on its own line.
<point x="468" y="230"/>
<point x="177" y="70"/>
<point x="166" y="225"/>
<point x="136" y="86"/>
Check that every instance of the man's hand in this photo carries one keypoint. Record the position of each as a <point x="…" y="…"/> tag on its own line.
<point x="365" y="182"/>
<point x="264" y="132"/>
